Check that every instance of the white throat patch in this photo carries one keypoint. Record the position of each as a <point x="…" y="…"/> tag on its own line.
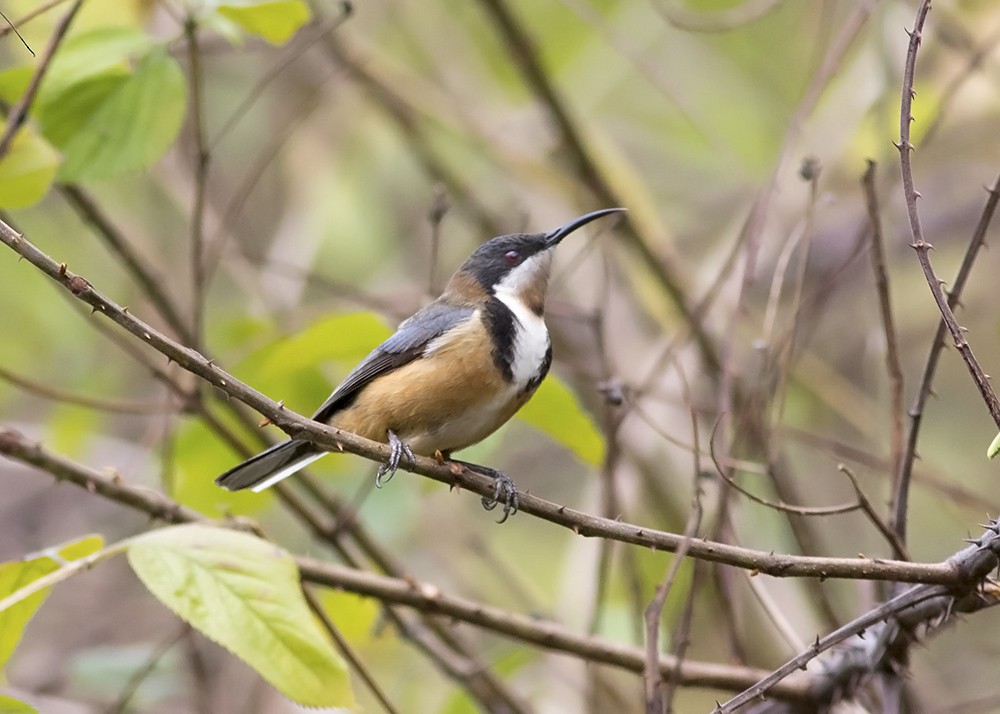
<point x="531" y="342"/>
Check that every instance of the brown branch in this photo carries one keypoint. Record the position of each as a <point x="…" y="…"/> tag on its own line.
<point x="919" y="244"/>
<point x="124" y="700"/>
<point x="522" y="52"/>
<point x="19" y="112"/>
<point x="584" y="524"/>
<point x="277" y="67"/>
<point x="46" y="391"/>
<point x="652" y="677"/>
<point x="780" y="506"/>
<point x="919" y="605"/>
<point x="140" y="269"/>
<point x="900" y="487"/>
<point x="345" y="649"/>
<point x="24" y="19"/>
<point x="201" y="162"/>
<point x="407" y="121"/>
<point x="916" y="412"/>
<point x="869" y="510"/>
<point x="403" y="591"/>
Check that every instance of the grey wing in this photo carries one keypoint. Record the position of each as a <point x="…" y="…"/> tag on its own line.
<point x="406" y="344"/>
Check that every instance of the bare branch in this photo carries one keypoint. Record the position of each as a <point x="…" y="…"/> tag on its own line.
<point x="920" y="245"/>
<point x="404" y="591"/>
<point x="19" y="112"/>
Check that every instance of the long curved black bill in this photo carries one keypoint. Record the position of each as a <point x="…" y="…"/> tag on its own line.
<point x="553" y="237"/>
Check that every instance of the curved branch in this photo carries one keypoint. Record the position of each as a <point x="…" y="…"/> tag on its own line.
<point x="920" y="245"/>
<point x="298" y="426"/>
<point x="403" y="591"/>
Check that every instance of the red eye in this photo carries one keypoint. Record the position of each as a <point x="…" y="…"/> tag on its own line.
<point x="512" y="257"/>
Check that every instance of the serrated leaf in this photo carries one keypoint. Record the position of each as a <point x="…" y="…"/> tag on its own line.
<point x="555" y="411"/>
<point x="27" y="170"/>
<point x="275" y="20"/>
<point x="244" y="593"/>
<point x="17" y="574"/>
<point x="9" y="705"/>
<point x="131" y="128"/>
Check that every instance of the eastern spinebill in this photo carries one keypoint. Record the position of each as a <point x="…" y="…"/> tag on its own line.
<point x="451" y="375"/>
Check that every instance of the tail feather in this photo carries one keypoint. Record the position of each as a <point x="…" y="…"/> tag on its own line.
<point x="270" y="466"/>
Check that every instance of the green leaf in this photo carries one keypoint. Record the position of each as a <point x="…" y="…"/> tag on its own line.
<point x="90" y="54"/>
<point x="132" y="126"/>
<point x="28" y="169"/>
<point x="994" y="448"/>
<point x="63" y="117"/>
<point x="79" y="59"/>
<point x="17" y="574"/>
<point x="555" y="410"/>
<point x="14" y="82"/>
<point x="244" y="593"/>
<point x="275" y="21"/>
<point x="347" y="337"/>
<point x="200" y="457"/>
<point x="9" y="705"/>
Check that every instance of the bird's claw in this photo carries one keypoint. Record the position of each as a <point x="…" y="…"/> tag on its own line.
<point x="397" y="449"/>
<point x="505" y="492"/>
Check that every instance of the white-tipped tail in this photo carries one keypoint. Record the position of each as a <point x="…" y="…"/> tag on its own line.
<point x="286" y="472"/>
<point x="270" y="466"/>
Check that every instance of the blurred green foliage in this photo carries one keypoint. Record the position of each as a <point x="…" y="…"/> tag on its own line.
<point x="321" y="179"/>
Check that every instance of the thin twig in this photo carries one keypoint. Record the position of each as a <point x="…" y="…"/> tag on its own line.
<point x="403" y="591"/>
<point x="336" y="440"/>
<point x="201" y="163"/>
<point x="901" y="602"/>
<point x="139" y="676"/>
<point x="656" y="693"/>
<point x="892" y="360"/>
<point x="347" y="652"/>
<point x="276" y="69"/>
<point x="919" y="244"/>
<point x="19" y="112"/>
<point x="29" y="16"/>
<point x="724" y="473"/>
<point x="916" y="412"/>
<point x="523" y="53"/>
<point x="142" y="271"/>
<point x="46" y="391"/>
<point x="898" y="547"/>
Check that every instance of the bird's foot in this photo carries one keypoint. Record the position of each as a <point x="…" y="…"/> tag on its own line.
<point x="397" y="449"/>
<point x="504" y="490"/>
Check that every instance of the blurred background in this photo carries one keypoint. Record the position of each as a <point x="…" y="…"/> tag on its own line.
<point x="352" y="165"/>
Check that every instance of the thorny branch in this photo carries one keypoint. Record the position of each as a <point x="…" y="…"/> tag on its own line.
<point x="920" y="245"/>
<point x="921" y="604"/>
<point x="403" y="591"/>
<point x="581" y="523"/>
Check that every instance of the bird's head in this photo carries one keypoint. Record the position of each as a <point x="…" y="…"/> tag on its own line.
<point x="516" y="264"/>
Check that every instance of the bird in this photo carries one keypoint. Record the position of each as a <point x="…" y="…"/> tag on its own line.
<point x="451" y="374"/>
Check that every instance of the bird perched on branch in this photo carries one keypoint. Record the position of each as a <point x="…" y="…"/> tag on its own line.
<point x="451" y="375"/>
